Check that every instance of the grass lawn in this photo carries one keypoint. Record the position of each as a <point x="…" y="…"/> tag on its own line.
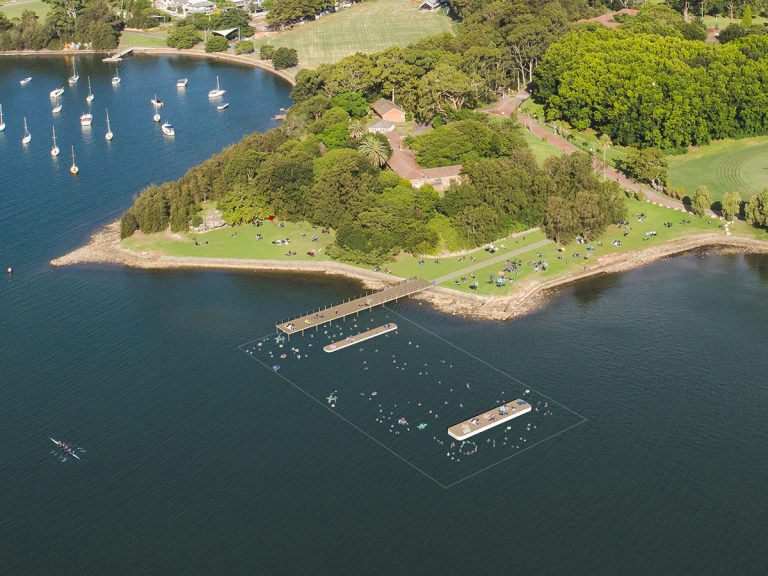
<point x="143" y="39"/>
<point x="541" y="148"/>
<point x="407" y="265"/>
<point x="366" y="27"/>
<point x="565" y="262"/>
<point x="14" y="8"/>
<point x="723" y="166"/>
<point x="238" y="242"/>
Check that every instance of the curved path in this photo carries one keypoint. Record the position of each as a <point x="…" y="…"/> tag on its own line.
<point x="534" y="127"/>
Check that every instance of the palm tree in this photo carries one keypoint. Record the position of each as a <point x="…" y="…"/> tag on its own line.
<point x="375" y="150"/>
<point x="357" y="129"/>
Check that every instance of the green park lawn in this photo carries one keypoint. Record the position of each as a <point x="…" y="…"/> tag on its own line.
<point x="238" y="242"/>
<point x="14" y="8"/>
<point x="540" y="148"/>
<point x="564" y="262"/>
<point x="367" y="27"/>
<point x="723" y="166"/>
<point x="153" y="39"/>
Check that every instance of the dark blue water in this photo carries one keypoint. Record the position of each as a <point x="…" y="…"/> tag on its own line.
<point x="201" y="461"/>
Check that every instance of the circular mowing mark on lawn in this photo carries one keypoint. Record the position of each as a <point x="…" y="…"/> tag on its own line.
<point x="731" y="169"/>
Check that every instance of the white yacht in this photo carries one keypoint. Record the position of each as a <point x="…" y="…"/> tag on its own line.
<point x="25" y="81"/>
<point x="156" y="101"/>
<point x="56" y="93"/>
<point x="86" y="119"/>
<point x="27" y="136"/>
<point x="57" y="108"/>
<point x="108" y="136"/>
<point x="217" y="92"/>
<point x="74" y="169"/>
<point x="90" y="96"/>
<point x="54" y="149"/>
<point x="167" y="128"/>
<point x="72" y="80"/>
<point x="181" y="83"/>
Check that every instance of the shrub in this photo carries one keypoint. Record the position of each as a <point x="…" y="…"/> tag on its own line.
<point x="183" y="38"/>
<point x="285" y="58"/>
<point x="244" y="47"/>
<point x="216" y="44"/>
<point x="266" y="52"/>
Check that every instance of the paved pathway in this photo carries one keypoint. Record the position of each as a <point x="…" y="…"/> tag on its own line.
<point x="625" y="182"/>
<point x="496" y="259"/>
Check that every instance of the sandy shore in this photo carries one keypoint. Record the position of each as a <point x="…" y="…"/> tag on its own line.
<point x="104" y="247"/>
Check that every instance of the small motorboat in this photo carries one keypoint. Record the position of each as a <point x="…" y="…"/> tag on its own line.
<point x="56" y="93"/>
<point x="181" y="83"/>
<point x="223" y="106"/>
<point x="167" y="129"/>
<point x="25" y="81"/>
<point x="86" y="119"/>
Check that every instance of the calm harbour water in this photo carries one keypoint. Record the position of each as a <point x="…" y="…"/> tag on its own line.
<point x="191" y="467"/>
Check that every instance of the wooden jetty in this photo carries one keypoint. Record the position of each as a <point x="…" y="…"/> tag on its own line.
<point x="119" y="56"/>
<point x="361" y="337"/>
<point x="489" y="419"/>
<point x="328" y="314"/>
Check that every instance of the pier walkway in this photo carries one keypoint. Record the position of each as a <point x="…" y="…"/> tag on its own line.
<point x="328" y="314"/>
<point x="119" y="56"/>
<point x="361" y="337"/>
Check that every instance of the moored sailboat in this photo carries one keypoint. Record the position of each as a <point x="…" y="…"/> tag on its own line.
<point x="27" y="136"/>
<point x="90" y="96"/>
<point x="156" y="101"/>
<point x="218" y="91"/>
<point x="54" y="149"/>
<point x="108" y="136"/>
<point x="56" y="93"/>
<point x="156" y="117"/>
<point x="167" y="129"/>
<point x="2" y="122"/>
<point x="57" y="108"/>
<point x="74" y="169"/>
<point x="116" y="78"/>
<point x="72" y="80"/>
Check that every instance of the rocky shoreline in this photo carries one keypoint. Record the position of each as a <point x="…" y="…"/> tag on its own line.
<point x="104" y="248"/>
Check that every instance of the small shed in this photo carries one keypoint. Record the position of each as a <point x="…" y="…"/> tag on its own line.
<point x="429" y="6"/>
<point x="388" y="110"/>
<point x="381" y="127"/>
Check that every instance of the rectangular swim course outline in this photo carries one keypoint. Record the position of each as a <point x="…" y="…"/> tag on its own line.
<point x="405" y="388"/>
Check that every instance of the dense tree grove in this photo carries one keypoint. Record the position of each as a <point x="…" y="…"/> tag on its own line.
<point x="316" y="168"/>
<point x="467" y="141"/>
<point x="90" y="22"/>
<point x="651" y="90"/>
<point x="286" y="12"/>
<point x="497" y="46"/>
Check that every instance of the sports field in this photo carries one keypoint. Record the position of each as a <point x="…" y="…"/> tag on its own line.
<point x="723" y="166"/>
<point x="14" y="8"/>
<point x="367" y="27"/>
<point x="143" y="39"/>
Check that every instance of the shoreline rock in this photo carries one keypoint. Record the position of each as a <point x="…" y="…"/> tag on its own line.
<point x="532" y="295"/>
